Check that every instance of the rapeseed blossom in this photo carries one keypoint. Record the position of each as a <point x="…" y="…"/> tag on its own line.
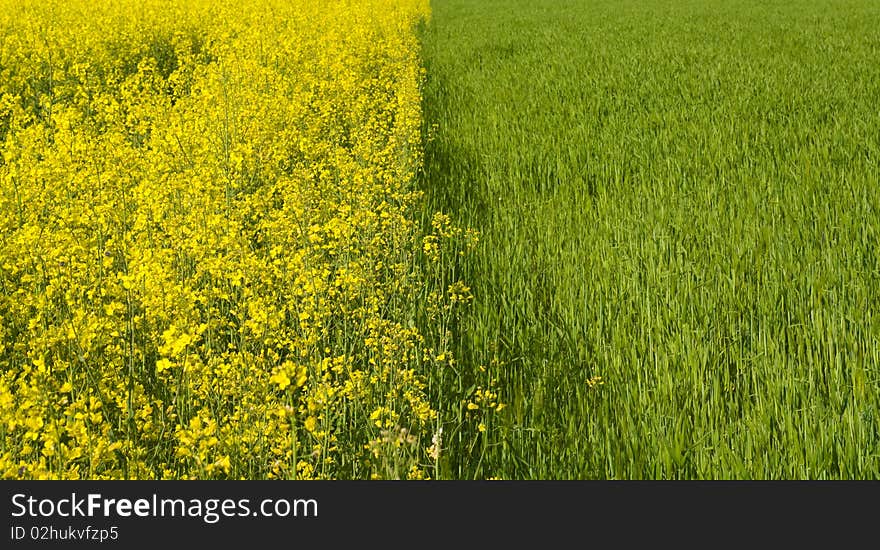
<point x="209" y="257"/>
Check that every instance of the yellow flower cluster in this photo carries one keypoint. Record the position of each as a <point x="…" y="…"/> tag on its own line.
<point x="485" y="402"/>
<point x="208" y="254"/>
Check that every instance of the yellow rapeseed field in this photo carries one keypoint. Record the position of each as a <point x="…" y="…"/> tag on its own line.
<point x="209" y="253"/>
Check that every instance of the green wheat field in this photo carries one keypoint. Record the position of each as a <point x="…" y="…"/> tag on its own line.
<point x="679" y="203"/>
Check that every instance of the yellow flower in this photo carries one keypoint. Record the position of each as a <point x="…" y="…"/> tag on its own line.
<point x="311" y="423"/>
<point x="163" y="365"/>
<point x="281" y="379"/>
